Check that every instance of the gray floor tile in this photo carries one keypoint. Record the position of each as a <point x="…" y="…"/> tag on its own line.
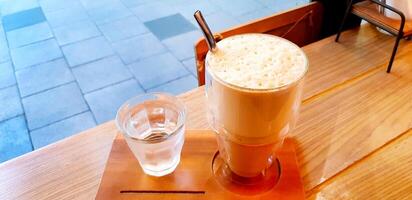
<point x="178" y="86"/>
<point x="75" y="32"/>
<point x="221" y="21"/>
<point x="123" y="28"/>
<point x="101" y="73"/>
<point x="13" y="6"/>
<point x="66" y="16"/>
<point x="169" y="26"/>
<point x="93" y="4"/>
<point x="156" y="70"/>
<point x="4" y="53"/>
<point x="153" y="10"/>
<point x="6" y="75"/>
<point x="44" y="76"/>
<point x="62" y="129"/>
<point x="14" y="138"/>
<point x="29" y="34"/>
<point x="239" y="8"/>
<point x="281" y="5"/>
<point x="190" y="65"/>
<point x="134" y="3"/>
<point x="53" y="105"/>
<point x="23" y="19"/>
<point x="86" y="51"/>
<point x="10" y="105"/>
<point x="54" y="5"/>
<point x="182" y="46"/>
<point x="35" y="53"/>
<point x="264" y="12"/>
<point x="105" y="102"/>
<point x="109" y="12"/>
<point x="4" y="48"/>
<point x="179" y="2"/>
<point x="188" y="9"/>
<point x="142" y="46"/>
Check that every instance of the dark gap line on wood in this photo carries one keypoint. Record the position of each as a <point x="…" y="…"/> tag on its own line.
<point x="161" y="192"/>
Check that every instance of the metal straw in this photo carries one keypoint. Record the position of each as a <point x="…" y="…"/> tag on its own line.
<point x="210" y="40"/>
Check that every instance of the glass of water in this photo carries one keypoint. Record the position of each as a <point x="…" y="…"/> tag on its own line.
<point x="153" y="125"/>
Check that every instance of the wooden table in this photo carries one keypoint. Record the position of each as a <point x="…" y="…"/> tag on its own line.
<point x="354" y="134"/>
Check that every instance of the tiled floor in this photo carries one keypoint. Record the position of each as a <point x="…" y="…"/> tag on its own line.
<point x="66" y="66"/>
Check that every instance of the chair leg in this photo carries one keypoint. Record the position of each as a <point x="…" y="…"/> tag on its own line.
<point x="343" y="20"/>
<point x="395" y="48"/>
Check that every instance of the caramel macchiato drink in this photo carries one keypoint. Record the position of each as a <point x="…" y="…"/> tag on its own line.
<point x="254" y="84"/>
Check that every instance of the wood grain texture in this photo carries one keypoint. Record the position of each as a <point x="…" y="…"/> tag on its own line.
<point x="193" y="177"/>
<point x="385" y="174"/>
<point x="69" y="169"/>
<point x="348" y="112"/>
<point x="369" y="10"/>
<point x="358" y="52"/>
<point x="339" y="128"/>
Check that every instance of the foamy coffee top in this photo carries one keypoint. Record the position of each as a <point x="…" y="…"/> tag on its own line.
<point x="257" y="61"/>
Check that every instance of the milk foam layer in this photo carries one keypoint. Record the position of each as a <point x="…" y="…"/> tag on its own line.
<point x="257" y="61"/>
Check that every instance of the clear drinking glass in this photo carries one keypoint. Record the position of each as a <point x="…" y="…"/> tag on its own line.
<point x="153" y="127"/>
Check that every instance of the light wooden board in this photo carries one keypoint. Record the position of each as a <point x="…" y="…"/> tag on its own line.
<point x="193" y="178"/>
<point x="339" y="128"/>
<point x="385" y="174"/>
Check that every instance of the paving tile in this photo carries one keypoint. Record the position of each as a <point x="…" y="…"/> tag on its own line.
<point x="75" y="32"/>
<point x="87" y="50"/>
<point x="14" y="138"/>
<point x="220" y="21"/>
<point x="122" y="28"/>
<point x="54" y="5"/>
<point x="239" y="8"/>
<point x="264" y="12"/>
<point x="92" y="4"/>
<point x="142" y="46"/>
<point x="104" y="103"/>
<point x="134" y="3"/>
<point x="35" y="53"/>
<point x="177" y="2"/>
<point x="157" y="70"/>
<point x="29" y="34"/>
<point x="153" y="10"/>
<point x="178" y="86"/>
<point x="10" y="105"/>
<point x="62" y="129"/>
<point x="109" y="12"/>
<point x="182" y="46"/>
<point x="14" y="6"/>
<point x="23" y="18"/>
<point x="101" y="73"/>
<point x="281" y="5"/>
<point x="169" y="26"/>
<point x="42" y="77"/>
<point x="6" y="75"/>
<point x="187" y="9"/>
<point x="4" y="53"/>
<point x="53" y="105"/>
<point x="190" y="65"/>
<point x="68" y="15"/>
<point x="4" y="48"/>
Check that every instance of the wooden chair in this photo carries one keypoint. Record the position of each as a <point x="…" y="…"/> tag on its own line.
<point x="369" y="11"/>
<point x="300" y="25"/>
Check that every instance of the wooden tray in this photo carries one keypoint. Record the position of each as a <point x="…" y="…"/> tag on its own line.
<point x="193" y="178"/>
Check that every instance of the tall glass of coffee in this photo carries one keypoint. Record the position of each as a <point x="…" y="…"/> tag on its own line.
<point x="253" y="86"/>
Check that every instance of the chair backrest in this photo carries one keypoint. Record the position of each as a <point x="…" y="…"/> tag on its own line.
<point x="300" y="25"/>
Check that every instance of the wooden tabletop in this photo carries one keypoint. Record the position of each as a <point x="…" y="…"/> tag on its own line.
<point x="354" y="133"/>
